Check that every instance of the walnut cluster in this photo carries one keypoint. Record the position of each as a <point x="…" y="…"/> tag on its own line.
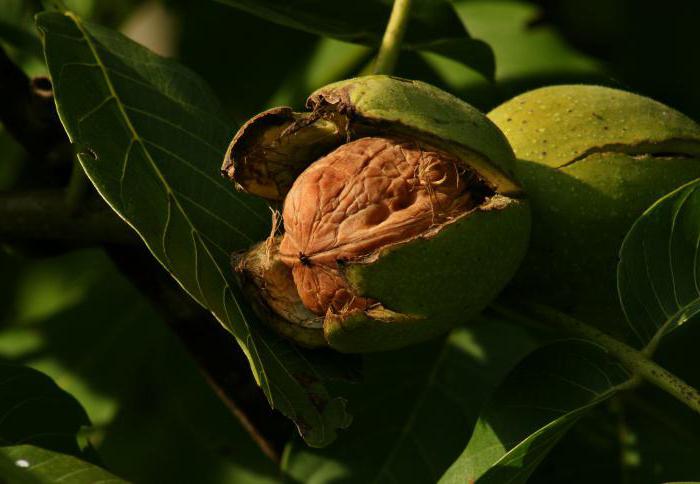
<point x="363" y="196"/>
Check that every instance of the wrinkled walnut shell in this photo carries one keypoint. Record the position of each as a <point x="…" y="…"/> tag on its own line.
<point x="366" y="194"/>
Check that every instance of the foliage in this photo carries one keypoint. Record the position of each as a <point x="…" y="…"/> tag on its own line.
<point x="99" y="379"/>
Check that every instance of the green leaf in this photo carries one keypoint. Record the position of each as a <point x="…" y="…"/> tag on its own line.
<point x="433" y="25"/>
<point x="533" y="408"/>
<point x="141" y="389"/>
<point x="659" y="270"/>
<point x="33" y="410"/>
<point x="26" y="464"/>
<point x="416" y="409"/>
<point x="529" y="53"/>
<point x="16" y="26"/>
<point x="330" y="61"/>
<point x="151" y="136"/>
<point x="662" y="435"/>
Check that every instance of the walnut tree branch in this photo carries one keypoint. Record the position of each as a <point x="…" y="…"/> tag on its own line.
<point x="44" y="216"/>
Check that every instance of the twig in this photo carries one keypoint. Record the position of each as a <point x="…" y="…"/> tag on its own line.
<point x="44" y="216"/>
<point x="393" y="35"/>
<point x="634" y="360"/>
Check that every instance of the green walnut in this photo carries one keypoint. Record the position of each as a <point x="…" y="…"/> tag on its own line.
<point x="400" y="217"/>
<point x="591" y="160"/>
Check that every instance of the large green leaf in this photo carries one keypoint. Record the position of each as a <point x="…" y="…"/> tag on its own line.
<point x="26" y="464"/>
<point x="416" y="409"/>
<point x="659" y="269"/>
<point x="533" y="408"/>
<point x="151" y="138"/>
<point x="433" y="25"/>
<point x="33" y="410"/>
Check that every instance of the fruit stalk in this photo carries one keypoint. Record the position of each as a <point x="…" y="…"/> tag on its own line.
<point x="393" y="35"/>
<point x="635" y="361"/>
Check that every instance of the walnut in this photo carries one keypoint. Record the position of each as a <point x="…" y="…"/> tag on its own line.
<point x="365" y="195"/>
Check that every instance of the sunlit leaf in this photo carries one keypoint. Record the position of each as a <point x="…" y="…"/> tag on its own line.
<point x="659" y="269"/>
<point x="532" y="409"/>
<point x="151" y="137"/>
<point x="26" y="464"/>
<point x="416" y="409"/>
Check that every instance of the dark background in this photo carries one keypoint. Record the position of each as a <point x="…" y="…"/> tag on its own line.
<point x="71" y="314"/>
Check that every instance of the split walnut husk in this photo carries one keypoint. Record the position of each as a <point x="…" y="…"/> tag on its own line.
<point x="399" y="215"/>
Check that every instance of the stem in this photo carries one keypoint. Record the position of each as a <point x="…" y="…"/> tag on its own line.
<point x="44" y="216"/>
<point x="391" y="42"/>
<point x="634" y="360"/>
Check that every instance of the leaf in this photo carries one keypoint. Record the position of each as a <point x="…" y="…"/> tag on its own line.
<point x="152" y="136"/>
<point x="26" y="464"/>
<point x="529" y="53"/>
<point x="433" y="25"/>
<point x="662" y="435"/>
<point x="16" y="26"/>
<point x="330" y="61"/>
<point x="416" y="409"/>
<point x="137" y="383"/>
<point x="33" y="410"/>
<point x="532" y="409"/>
<point x="659" y="270"/>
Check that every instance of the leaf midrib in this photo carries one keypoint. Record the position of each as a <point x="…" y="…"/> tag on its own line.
<point x="171" y="194"/>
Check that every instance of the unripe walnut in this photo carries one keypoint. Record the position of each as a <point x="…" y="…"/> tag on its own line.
<point x="591" y="160"/>
<point x="400" y="216"/>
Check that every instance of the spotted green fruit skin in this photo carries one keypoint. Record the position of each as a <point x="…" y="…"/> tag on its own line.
<point x="591" y="160"/>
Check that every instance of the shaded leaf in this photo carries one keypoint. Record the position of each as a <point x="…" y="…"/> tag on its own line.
<point x="661" y="439"/>
<point x="433" y="25"/>
<point x="416" y="409"/>
<point x="596" y="436"/>
<point x="16" y="26"/>
<point x="26" y="464"/>
<point x="533" y="408"/>
<point x="139" y="386"/>
<point x="330" y="61"/>
<point x="662" y="435"/>
<point x="659" y="268"/>
<point x="33" y="410"/>
<point x="152" y="137"/>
